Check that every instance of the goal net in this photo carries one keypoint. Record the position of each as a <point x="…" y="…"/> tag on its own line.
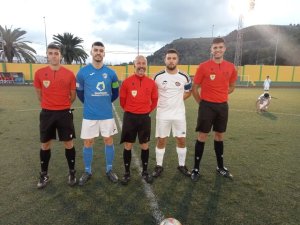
<point x="243" y="81"/>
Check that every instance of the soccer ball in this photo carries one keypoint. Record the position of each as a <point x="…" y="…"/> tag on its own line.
<point x="170" y="221"/>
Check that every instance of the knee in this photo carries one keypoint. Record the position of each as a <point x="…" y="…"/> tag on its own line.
<point x="202" y="137"/>
<point x="180" y="142"/>
<point x="219" y="136"/>
<point x="144" y="146"/>
<point x="108" y="140"/>
<point x="161" y="142"/>
<point x="45" y="146"/>
<point x="68" y="144"/>
<point x="128" y="146"/>
<point x="88" y="143"/>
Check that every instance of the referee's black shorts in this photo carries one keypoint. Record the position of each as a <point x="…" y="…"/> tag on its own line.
<point x="212" y="115"/>
<point x="136" y="125"/>
<point x="60" y="120"/>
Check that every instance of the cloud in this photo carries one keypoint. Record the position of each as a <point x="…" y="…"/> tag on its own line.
<point x="160" y="21"/>
<point x="115" y="22"/>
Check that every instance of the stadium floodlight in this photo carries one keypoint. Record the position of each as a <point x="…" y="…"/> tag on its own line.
<point x="2" y="42"/>
<point x="276" y="46"/>
<point x="242" y="8"/>
<point x="237" y="7"/>
<point x="45" y="34"/>
<point x="138" y="47"/>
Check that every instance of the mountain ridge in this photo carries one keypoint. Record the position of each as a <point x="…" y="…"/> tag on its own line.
<point x="258" y="47"/>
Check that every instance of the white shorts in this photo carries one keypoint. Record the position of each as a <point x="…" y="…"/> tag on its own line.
<point x="164" y="127"/>
<point x="92" y="128"/>
<point x="263" y="105"/>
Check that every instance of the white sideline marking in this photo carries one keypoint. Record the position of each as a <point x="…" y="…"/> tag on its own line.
<point x="157" y="214"/>
<point x="279" y="113"/>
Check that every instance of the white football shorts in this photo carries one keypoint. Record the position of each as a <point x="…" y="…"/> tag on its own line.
<point x="93" y="128"/>
<point x="263" y="105"/>
<point x="164" y="127"/>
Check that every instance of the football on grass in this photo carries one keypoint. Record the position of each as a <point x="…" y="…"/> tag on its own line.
<point x="170" y="221"/>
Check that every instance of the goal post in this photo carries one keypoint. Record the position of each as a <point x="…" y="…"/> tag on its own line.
<point x="243" y="81"/>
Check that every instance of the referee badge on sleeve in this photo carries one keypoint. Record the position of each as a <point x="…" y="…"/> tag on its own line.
<point x="134" y="93"/>
<point x="212" y="76"/>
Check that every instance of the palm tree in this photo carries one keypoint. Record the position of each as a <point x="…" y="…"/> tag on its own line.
<point x="12" y="45"/>
<point x="71" y="48"/>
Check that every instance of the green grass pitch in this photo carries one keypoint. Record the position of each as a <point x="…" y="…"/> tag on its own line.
<point x="261" y="151"/>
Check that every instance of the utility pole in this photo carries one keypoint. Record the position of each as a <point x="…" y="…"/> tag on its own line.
<point x="138" y="47"/>
<point x="239" y="43"/>
<point x="45" y="33"/>
<point x="239" y="37"/>
<point x="276" y="47"/>
<point x="2" y="55"/>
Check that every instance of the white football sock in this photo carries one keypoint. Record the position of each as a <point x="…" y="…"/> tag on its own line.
<point x="159" y="155"/>
<point x="181" y="155"/>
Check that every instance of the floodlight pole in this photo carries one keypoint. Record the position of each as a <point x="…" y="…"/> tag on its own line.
<point x="2" y="55"/>
<point x="276" y="47"/>
<point x="239" y="43"/>
<point x="239" y="38"/>
<point x="138" y="50"/>
<point x="45" y="33"/>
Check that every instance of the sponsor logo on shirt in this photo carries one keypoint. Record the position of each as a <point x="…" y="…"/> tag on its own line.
<point x="212" y="76"/>
<point x="101" y="90"/>
<point x="46" y="83"/>
<point x="100" y="86"/>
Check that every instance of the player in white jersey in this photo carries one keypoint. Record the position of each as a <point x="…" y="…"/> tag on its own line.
<point x="267" y="84"/>
<point x="174" y="87"/>
<point x="263" y="102"/>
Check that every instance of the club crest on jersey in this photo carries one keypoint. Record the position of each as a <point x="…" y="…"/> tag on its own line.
<point x="46" y="83"/>
<point x="212" y="76"/>
<point x="134" y="93"/>
<point x="177" y="84"/>
<point x="104" y="75"/>
<point x="100" y="86"/>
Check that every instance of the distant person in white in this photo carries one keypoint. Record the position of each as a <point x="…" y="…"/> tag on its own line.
<point x="267" y="83"/>
<point x="174" y="87"/>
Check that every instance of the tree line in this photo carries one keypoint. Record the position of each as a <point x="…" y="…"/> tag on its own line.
<point x="14" y="46"/>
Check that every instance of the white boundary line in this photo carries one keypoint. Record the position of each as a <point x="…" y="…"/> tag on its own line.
<point x="157" y="214"/>
<point x="279" y="113"/>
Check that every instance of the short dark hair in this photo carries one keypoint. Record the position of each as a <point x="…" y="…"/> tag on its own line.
<point x="218" y="40"/>
<point x="266" y="95"/>
<point x="53" y="45"/>
<point x="172" y="50"/>
<point x="98" y="43"/>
